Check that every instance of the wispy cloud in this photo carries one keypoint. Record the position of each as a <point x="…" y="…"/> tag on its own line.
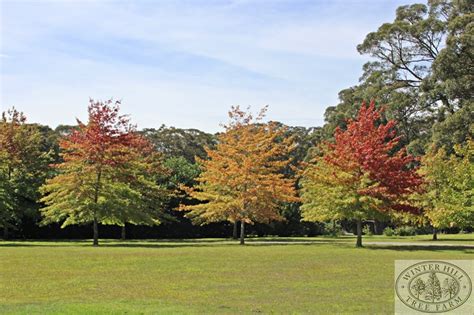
<point x="183" y="63"/>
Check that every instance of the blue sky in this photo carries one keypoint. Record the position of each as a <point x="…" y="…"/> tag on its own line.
<point x="183" y="63"/>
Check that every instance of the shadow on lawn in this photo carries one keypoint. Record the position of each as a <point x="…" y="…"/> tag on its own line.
<point x="166" y="243"/>
<point x="251" y="242"/>
<point x="401" y="247"/>
<point x="441" y="239"/>
<point x="214" y="243"/>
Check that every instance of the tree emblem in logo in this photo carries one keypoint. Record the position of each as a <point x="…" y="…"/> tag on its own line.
<point x="433" y="286"/>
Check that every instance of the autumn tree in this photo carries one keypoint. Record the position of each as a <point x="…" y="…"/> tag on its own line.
<point x="359" y="175"/>
<point x="242" y="179"/>
<point x="448" y="196"/>
<point x="108" y="174"/>
<point x="23" y="167"/>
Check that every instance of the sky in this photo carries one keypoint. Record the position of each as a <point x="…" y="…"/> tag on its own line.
<point x="183" y="63"/>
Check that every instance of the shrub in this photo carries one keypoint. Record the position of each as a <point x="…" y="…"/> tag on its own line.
<point x="388" y="231"/>
<point x="332" y="229"/>
<point x="405" y="231"/>
<point x="367" y="231"/>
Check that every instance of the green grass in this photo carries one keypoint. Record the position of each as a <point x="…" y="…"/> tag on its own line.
<point x="217" y="276"/>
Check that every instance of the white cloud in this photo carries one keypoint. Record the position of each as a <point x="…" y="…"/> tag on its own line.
<point x="293" y="55"/>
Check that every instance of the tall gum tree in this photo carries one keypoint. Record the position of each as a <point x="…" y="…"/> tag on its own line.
<point x="359" y="175"/>
<point x="242" y="180"/>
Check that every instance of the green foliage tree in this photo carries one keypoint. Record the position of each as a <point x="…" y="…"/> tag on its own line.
<point x="453" y="77"/>
<point x="181" y="172"/>
<point x="23" y="167"/>
<point x="448" y="198"/>
<point x="175" y="142"/>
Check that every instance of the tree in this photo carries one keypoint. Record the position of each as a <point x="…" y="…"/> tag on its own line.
<point x="418" y="287"/>
<point x="451" y="71"/>
<point x="242" y="179"/>
<point x="304" y="141"/>
<point x="7" y="206"/>
<point x="419" y="71"/>
<point x="23" y="167"/>
<point x="140" y="194"/>
<point x="176" y="142"/>
<point x="181" y="172"/>
<point x="453" y="77"/>
<point x="433" y="288"/>
<point x="360" y="175"/>
<point x="402" y="52"/>
<point x="405" y="48"/>
<point x="107" y="175"/>
<point x="448" y="195"/>
<point x="450" y="287"/>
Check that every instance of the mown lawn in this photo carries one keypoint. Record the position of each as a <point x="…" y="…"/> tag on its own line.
<point x="216" y="276"/>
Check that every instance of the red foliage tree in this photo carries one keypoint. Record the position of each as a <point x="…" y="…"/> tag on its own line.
<point x="107" y="174"/>
<point x="365" y="163"/>
<point x="367" y="148"/>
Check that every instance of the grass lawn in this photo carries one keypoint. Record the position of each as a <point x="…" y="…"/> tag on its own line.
<point x="217" y="276"/>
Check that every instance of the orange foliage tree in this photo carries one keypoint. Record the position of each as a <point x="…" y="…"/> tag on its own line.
<point x="242" y="179"/>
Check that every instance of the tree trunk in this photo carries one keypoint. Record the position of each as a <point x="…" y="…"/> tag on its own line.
<point x="96" y="232"/>
<point x="123" y="235"/>
<point x="242" y="232"/>
<point x="435" y="234"/>
<point x="96" y="200"/>
<point x="359" y="233"/>
<point x="5" y="231"/>
<point x="234" y="232"/>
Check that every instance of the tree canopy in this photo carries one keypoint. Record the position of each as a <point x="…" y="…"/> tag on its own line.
<point x="242" y="179"/>
<point x="23" y="166"/>
<point x="360" y="175"/>
<point x="448" y="198"/>
<point x="108" y="174"/>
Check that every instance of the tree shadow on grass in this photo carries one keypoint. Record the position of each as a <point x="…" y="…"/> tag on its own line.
<point x="401" y="247"/>
<point x="251" y="242"/>
<point x="170" y="245"/>
<point x="166" y="243"/>
<point x="214" y="243"/>
<point x="440" y="239"/>
<point x="44" y="243"/>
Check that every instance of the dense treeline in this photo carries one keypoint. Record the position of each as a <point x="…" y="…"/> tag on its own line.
<point x="405" y="159"/>
<point x="178" y="149"/>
